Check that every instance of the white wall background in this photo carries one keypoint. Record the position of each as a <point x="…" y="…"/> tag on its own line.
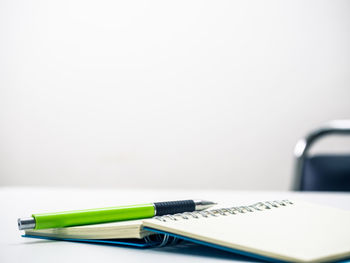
<point x="185" y="94"/>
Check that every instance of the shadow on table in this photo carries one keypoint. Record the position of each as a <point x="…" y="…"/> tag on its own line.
<point x="183" y="248"/>
<point x="192" y="249"/>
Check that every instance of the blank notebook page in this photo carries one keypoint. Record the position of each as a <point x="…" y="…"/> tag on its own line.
<point x="299" y="232"/>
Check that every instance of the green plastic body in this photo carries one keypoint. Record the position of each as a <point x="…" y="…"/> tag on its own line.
<point x="93" y="216"/>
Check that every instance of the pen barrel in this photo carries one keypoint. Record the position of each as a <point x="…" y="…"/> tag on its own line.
<point x="93" y="216"/>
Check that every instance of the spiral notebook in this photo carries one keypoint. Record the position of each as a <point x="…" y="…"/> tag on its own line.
<point x="277" y="231"/>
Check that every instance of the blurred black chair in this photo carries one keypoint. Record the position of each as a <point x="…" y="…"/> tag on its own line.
<point x="322" y="172"/>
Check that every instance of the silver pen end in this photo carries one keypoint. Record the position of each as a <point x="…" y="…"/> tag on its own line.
<point x="202" y="204"/>
<point x="26" y="223"/>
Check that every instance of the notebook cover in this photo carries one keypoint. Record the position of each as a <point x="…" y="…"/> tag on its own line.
<point x="126" y="242"/>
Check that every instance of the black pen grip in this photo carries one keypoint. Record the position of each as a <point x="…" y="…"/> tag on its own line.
<point x="174" y="207"/>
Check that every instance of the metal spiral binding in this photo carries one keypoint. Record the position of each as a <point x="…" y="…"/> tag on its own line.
<point x="160" y="240"/>
<point x="225" y="211"/>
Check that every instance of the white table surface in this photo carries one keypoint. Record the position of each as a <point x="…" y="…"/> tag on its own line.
<point x="20" y="202"/>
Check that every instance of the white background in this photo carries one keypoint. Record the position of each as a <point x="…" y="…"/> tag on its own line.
<point x="177" y="94"/>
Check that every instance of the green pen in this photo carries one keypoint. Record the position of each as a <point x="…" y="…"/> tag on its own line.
<point x="110" y="214"/>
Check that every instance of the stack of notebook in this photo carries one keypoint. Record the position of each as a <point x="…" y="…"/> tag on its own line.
<point x="278" y="231"/>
